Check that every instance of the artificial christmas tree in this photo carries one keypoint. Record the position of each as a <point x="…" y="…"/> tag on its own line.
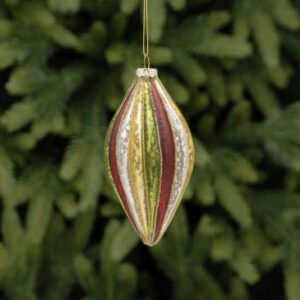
<point x="234" y="69"/>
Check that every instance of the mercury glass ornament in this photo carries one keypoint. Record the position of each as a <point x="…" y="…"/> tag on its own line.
<point x="149" y="155"/>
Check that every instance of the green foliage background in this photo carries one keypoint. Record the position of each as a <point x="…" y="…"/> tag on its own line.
<point x="233" y="68"/>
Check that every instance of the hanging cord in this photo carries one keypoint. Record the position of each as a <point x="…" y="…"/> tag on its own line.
<point x="146" y="35"/>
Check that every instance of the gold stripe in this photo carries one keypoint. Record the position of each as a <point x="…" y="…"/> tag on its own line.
<point x="135" y="152"/>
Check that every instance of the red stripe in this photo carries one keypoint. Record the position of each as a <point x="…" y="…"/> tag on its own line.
<point x="113" y="159"/>
<point x="168" y="157"/>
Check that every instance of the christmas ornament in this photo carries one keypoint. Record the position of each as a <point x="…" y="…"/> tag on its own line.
<point x="149" y="152"/>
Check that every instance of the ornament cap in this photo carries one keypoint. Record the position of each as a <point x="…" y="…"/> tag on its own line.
<point x="146" y="72"/>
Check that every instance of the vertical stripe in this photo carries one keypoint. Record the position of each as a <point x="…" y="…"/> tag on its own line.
<point x="112" y="157"/>
<point x="152" y="157"/>
<point x="135" y="152"/>
<point x="168" y="157"/>
<point x="122" y="156"/>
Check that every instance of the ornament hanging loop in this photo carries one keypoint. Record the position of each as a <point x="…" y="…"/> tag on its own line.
<point x="147" y="63"/>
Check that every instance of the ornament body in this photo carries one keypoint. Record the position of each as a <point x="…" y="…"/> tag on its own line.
<point x="149" y="156"/>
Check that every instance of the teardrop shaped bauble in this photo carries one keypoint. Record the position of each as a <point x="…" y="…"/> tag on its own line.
<point x="149" y="156"/>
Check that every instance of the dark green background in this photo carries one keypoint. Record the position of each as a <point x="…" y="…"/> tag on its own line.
<point x="232" y="67"/>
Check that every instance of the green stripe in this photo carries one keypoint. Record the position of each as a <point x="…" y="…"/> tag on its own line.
<point x="152" y="155"/>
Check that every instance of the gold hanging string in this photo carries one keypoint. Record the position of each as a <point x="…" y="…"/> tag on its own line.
<point x="146" y="35"/>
